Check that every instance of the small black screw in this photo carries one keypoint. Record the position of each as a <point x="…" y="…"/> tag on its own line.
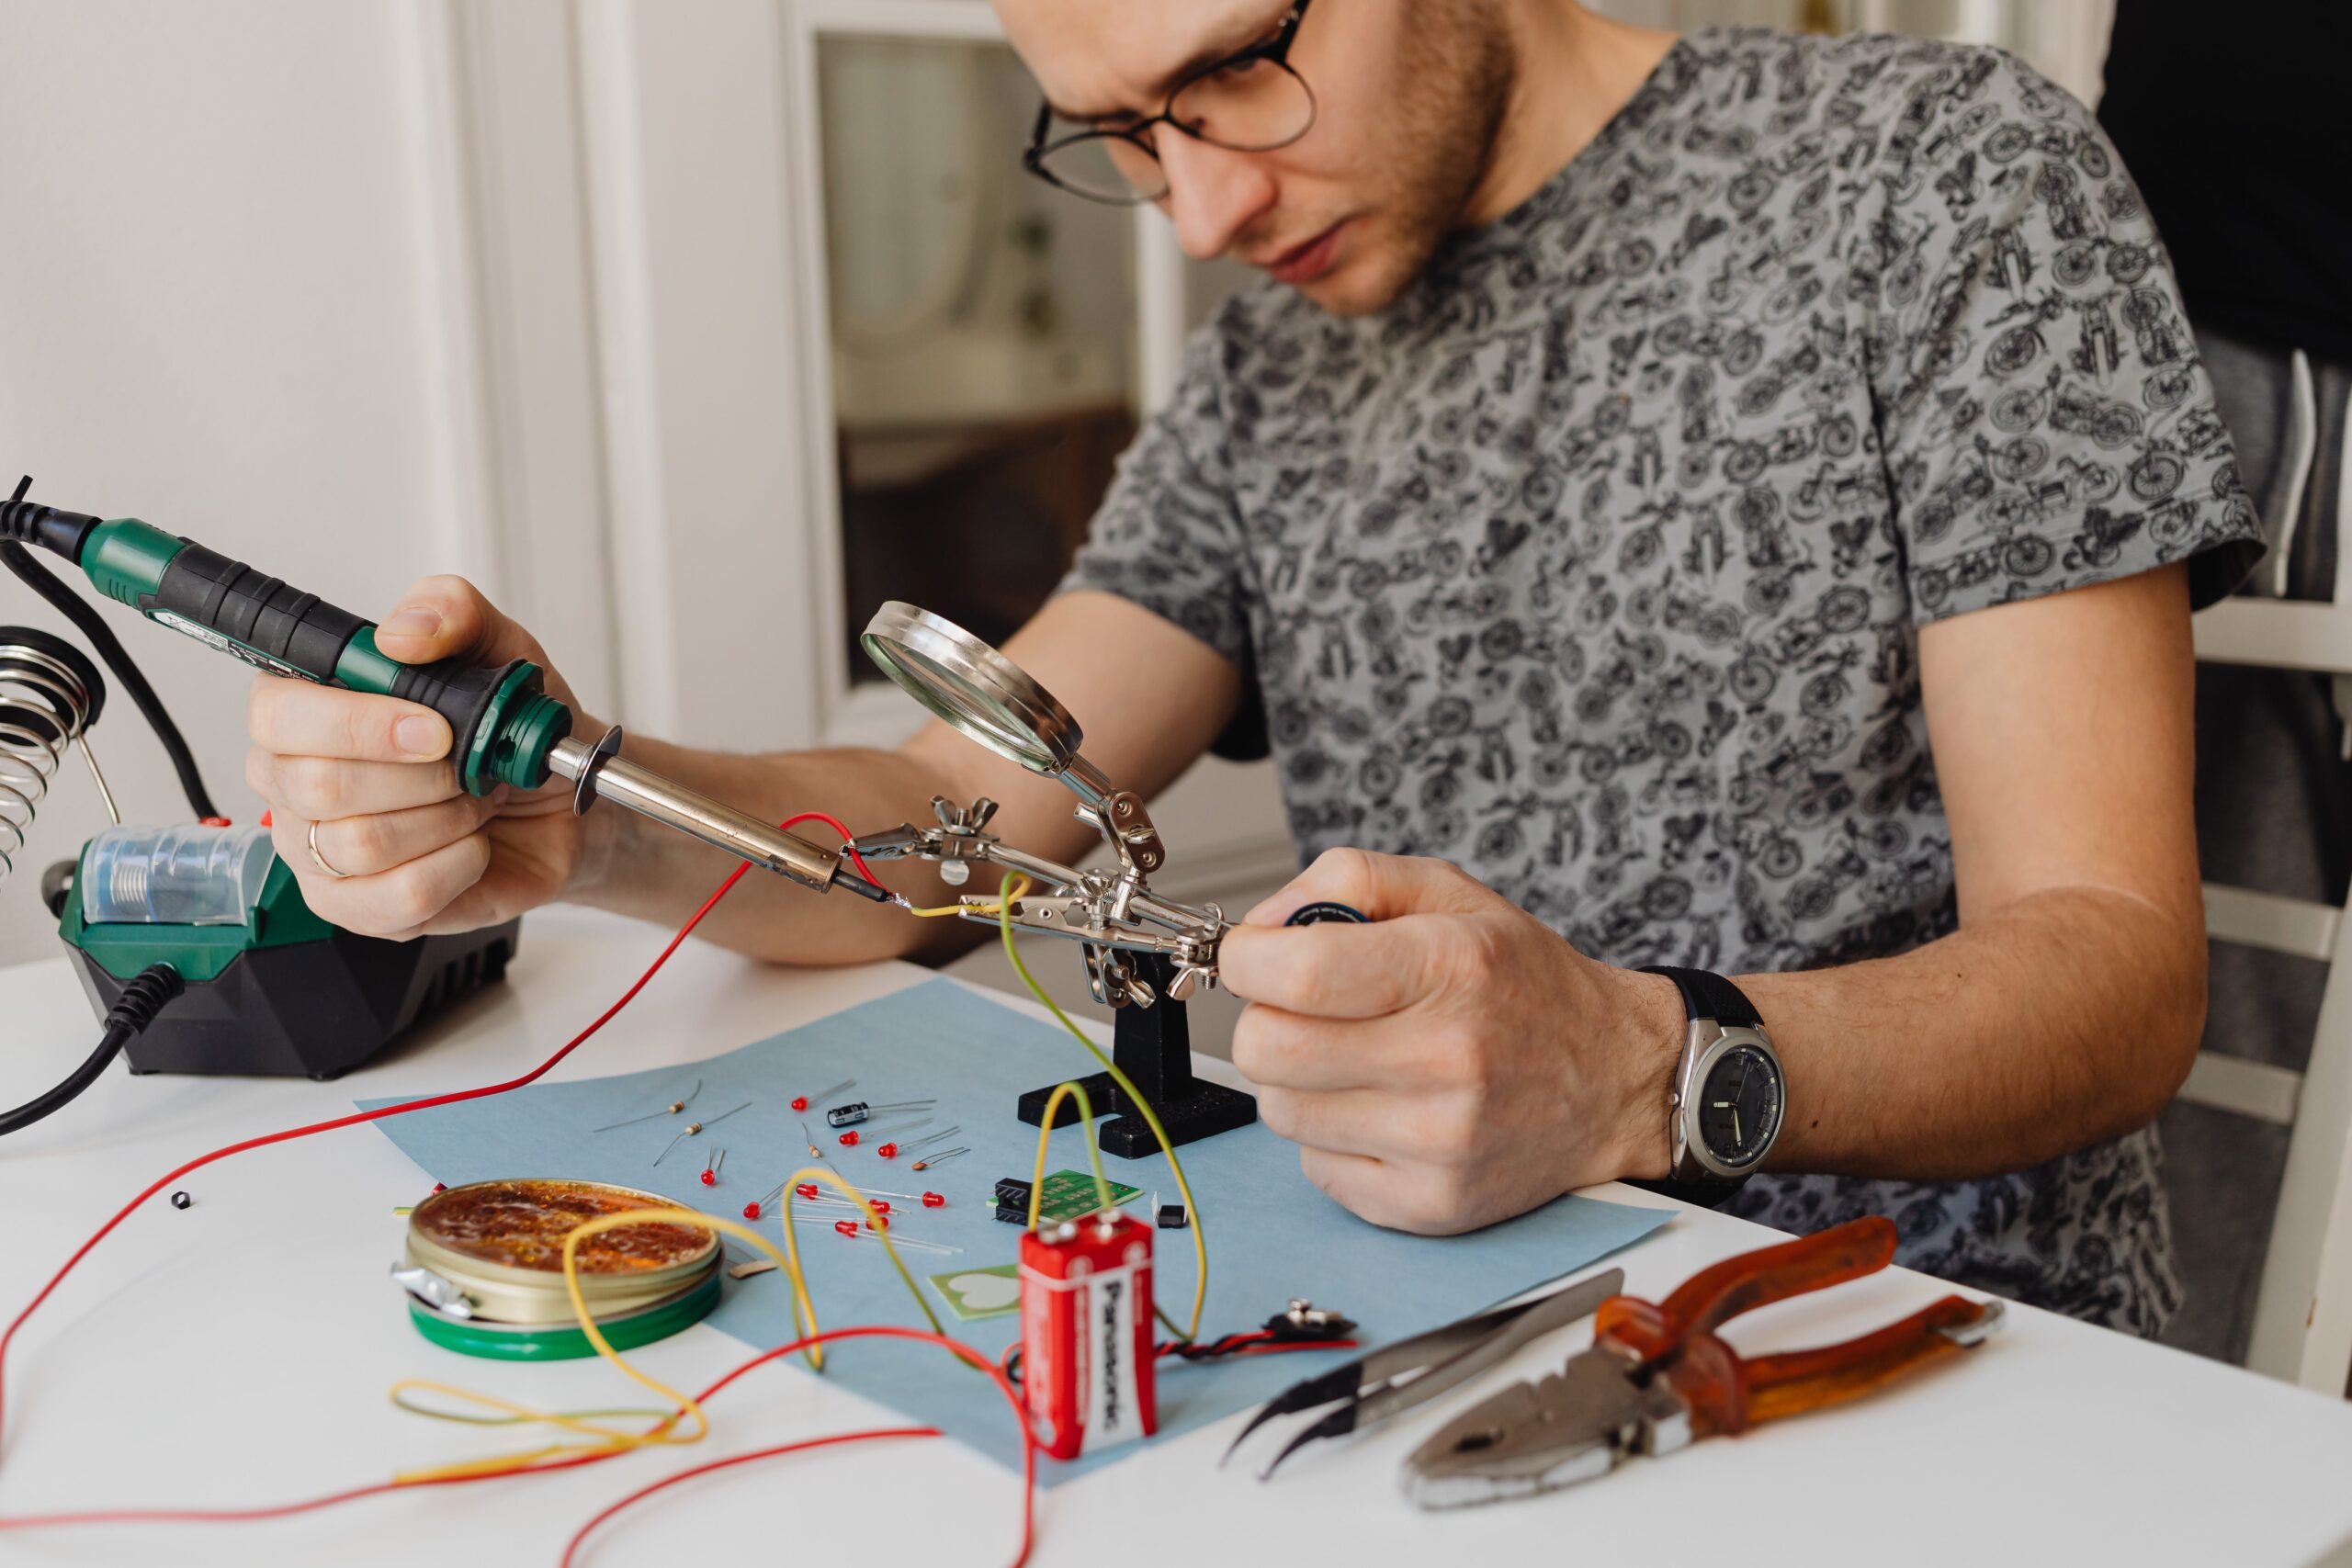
<point x="181" y="1199"/>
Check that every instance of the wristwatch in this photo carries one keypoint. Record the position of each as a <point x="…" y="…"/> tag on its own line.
<point x="1729" y="1092"/>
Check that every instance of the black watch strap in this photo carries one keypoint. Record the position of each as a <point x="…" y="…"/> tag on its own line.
<point x="1712" y="996"/>
<point x="1699" y="1194"/>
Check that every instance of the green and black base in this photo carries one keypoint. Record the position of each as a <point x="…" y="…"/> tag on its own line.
<point x="285" y="995"/>
<point x="1153" y="1046"/>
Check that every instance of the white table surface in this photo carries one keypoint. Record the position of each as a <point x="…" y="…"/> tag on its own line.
<point x="238" y="1352"/>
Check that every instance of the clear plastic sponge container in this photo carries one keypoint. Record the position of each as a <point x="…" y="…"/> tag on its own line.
<point x="185" y="875"/>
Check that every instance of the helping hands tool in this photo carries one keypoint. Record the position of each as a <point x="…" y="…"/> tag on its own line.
<point x="1657" y="1377"/>
<point x="1396" y="1377"/>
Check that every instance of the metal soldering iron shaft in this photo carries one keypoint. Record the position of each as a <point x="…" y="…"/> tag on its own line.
<point x="599" y="774"/>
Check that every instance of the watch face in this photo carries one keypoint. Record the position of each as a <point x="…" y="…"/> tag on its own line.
<point x="1740" y="1106"/>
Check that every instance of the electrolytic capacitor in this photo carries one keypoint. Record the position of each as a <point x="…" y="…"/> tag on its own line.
<point x="858" y="1110"/>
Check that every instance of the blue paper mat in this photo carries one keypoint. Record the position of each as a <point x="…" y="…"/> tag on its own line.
<point x="1272" y="1235"/>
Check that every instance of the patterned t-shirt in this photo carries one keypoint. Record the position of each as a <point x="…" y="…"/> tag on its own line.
<point x="1596" y="564"/>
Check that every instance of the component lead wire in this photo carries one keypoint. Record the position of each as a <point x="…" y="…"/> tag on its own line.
<point x="672" y="1110"/>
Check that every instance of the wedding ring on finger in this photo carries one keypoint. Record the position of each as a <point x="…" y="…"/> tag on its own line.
<point x="320" y="861"/>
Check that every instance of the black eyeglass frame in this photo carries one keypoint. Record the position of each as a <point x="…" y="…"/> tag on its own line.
<point x="1274" y="51"/>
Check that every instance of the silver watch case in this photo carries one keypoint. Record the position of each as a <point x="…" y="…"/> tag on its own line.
<point x="1706" y="1044"/>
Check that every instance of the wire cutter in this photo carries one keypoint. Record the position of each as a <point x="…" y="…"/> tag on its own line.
<point x="1658" y="1378"/>
<point x="1397" y="1376"/>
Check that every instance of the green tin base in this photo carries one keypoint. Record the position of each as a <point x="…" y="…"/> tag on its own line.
<point x="565" y="1342"/>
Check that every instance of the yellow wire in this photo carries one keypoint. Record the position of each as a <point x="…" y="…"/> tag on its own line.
<point x="1046" y="1136"/>
<point x="816" y="1353"/>
<point x="998" y="907"/>
<point x="1151" y="1117"/>
<point x="804" y="1316"/>
<point x="430" y="1414"/>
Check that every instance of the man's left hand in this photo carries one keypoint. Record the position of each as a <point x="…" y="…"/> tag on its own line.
<point x="1455" y="1062"/>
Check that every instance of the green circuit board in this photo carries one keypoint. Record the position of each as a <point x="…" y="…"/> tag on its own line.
<point x="1069" y="1195"/>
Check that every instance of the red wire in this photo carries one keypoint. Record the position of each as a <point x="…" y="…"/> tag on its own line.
<point x="866" y="1331"/>
<point x="1029" y="1456"/>
<point x="571" y="1546"/>
<point x="849" y="840"/>
<point x="570" y="1045"/>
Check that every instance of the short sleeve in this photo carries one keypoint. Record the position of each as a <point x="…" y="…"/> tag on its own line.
<point x="2045" y="421"/>
<point x="1168" y="535"/>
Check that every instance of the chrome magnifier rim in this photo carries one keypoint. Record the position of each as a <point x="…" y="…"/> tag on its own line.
<point x="972" y="688"/>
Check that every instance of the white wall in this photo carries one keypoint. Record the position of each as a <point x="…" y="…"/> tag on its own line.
<point x="212" y="315"/>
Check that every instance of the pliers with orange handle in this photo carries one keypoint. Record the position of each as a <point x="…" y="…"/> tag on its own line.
<point x="1658" y="1378"/>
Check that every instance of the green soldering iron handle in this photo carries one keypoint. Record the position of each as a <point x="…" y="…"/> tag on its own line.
<point x="504" y="722"/>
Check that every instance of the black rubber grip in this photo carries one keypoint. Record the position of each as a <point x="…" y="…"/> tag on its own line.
<point x="1712" y="996"/>
<point x="297" y="629"/>
<point x="459" y="691"/>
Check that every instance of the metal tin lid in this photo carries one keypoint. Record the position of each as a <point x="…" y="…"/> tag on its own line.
<point x="504" y="1239"/>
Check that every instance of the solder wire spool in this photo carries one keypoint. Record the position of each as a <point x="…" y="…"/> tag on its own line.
<point x="498" y="1246"/>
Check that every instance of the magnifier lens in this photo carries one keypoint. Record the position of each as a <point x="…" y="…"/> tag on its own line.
<point x="968" y="707"/>
<point x="974" y="688"/>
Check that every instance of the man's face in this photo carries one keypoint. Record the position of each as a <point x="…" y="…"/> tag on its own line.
<point x="1409" y="95"/>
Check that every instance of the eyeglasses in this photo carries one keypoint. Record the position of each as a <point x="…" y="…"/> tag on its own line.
<point x="1248" y="102"/>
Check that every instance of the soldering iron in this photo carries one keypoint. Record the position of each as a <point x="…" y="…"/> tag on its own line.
<point x="505" y="728"/>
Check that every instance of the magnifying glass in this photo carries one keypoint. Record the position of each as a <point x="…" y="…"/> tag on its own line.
<point x="981" y="694"/>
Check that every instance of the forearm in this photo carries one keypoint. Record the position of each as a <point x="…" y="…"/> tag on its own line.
<point x="2065" y="1019"/>
<point x="638" y="867"/>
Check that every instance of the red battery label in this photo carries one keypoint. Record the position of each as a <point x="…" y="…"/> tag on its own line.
<point x="1086" y="1337"/>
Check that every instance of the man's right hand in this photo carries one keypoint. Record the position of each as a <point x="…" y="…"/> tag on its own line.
<point x="418" y="856"/>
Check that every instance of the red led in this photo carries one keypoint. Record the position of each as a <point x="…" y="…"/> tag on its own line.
<point x="710" y="1179"/>
<point x="751" y="1211"/>
<point x="438" y="1187"/>
<point x="887" y="1151"/>
<point x="800" y="1102"/>
<point x="847" y="1227"/>
<point x="879" y="1205"/>
<point x="934" y="1200"/>
<point x="848" y="1139"/>
<point x="807" y="1189"/>
<point x="879" y="1223"/>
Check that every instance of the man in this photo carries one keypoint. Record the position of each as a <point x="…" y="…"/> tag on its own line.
<point x="1737" y="499"/>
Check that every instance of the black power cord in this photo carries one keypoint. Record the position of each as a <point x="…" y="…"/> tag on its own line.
<point x="21" y="519"/>
<point x="141" y="1000"/>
